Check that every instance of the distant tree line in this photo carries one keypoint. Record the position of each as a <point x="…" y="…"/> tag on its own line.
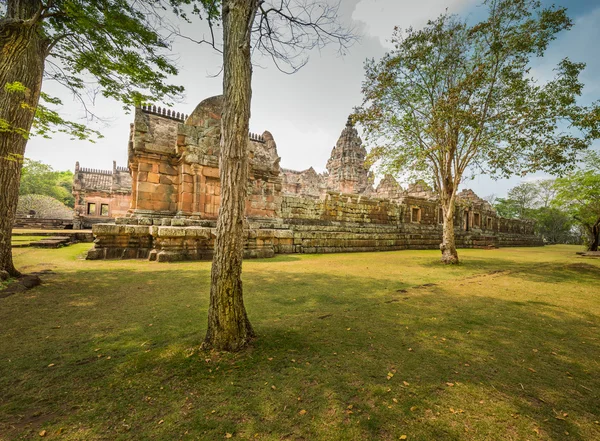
<point x="566" y="209"/>
<point x="41" y="179"/>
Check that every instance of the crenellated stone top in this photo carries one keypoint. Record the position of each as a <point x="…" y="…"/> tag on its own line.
<point x="90" y="179"/>
<point x="195" y="138"/>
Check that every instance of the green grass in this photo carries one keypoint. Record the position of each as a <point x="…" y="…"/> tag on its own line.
<point x="19" y="240"/>
<point x="505" y="346"/>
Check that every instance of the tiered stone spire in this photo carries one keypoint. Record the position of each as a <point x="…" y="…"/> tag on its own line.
<point x="346" y="166"/>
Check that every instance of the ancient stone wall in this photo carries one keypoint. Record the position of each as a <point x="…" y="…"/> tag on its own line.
<point x="306" y="183"/>
<point x="175" y="165"/>
<point x="339" y="207"/>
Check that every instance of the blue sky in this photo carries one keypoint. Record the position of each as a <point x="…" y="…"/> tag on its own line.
<point x="307" y="111"/>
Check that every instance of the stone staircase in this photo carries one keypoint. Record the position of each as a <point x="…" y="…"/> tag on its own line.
<point x="52" y="242"/>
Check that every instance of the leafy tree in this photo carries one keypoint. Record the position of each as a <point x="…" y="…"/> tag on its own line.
<point x="579" y="193"/>
<point x="506" y="207"/>
<point x="524" y="198"/>
<point x="282" y="30"/>
<point x="114" y="42"/>
<point x="546" y="191"/>
<point x="452" y="98"/>
<point x="40" y="178"/>
<point x="553" y="224"/>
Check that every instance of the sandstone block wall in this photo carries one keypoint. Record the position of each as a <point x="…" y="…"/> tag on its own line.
<point x="338" y="207"/>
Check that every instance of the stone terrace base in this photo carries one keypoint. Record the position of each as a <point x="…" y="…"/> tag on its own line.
<point x="194" y="240"/>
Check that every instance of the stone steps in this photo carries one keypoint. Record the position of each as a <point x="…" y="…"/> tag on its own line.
<point x="52" y="242"/>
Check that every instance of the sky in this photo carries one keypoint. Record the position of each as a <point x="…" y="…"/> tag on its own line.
<point x="307" y="111"/>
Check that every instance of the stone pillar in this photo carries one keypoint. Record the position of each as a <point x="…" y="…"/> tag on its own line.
<point x="196" y="169"/>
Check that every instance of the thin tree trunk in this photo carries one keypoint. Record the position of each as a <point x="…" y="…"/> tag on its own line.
<point x="22" y="56"/>
<point x="448" y="245"/>
<point x="228" y="326"/>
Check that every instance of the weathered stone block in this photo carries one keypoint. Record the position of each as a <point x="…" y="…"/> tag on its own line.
<point x="210" y="172"/>
<point x="146" y="187"/>
<point x="153" y="178"/>
<point x="173" y="231"/>
<point x="167" y="169"/>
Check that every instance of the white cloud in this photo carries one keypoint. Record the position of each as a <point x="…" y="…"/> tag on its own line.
<point x="380" y="16"/>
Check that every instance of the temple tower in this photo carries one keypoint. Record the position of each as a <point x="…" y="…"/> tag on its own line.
<point x="346" y="166"/>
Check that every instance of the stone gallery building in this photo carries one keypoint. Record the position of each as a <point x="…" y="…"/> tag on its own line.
<point x="100" y="195"/>
<point x="176" y="193"/>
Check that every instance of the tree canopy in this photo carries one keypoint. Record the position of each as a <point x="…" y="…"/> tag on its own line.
<point x="579" y="194"/>
<point x="537" y="200"/>
<point x="117" y="48"/>
<point x="452" y="98"/>
<point x="40" y="178"/>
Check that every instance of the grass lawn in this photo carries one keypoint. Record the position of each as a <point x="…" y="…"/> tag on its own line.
<point x="369" y="346"/>
<point x="20" y="240"/>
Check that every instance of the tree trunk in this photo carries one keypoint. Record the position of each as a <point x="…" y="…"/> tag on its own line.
<point x="595" y="232"/>
<point x="22" y="55"/>
<point x="448" y="245"/>
<point x="228" y="326"/>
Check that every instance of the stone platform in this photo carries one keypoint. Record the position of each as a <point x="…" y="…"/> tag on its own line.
<point x="264" y="239"/>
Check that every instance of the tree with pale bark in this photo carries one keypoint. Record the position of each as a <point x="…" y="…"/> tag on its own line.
<point x="114" y="47"/>
<point x="452" y="99"/>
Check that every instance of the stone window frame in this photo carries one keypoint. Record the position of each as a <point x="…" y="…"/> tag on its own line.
<point x="476" y="219"/>
<point x="412" y="213"/>
<point x="466" y="220"/>
<point x="490" y="223"/>
<point x="102" y="212"/>
<point x="440" y="216"/>
<point x="91" y="208"/>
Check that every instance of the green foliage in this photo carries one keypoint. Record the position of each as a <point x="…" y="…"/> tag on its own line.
<point x="453" y="97"/>
<point x="117" y="42"/>
<point x="523" y="198"/>
<point x="48" y="121"/>
<point x="506" y="208"/>
<point x="579" y="194"/>
<point x="554" y="225"/>
<point x="39" y="178"/>
<point x="17" y="88"/>
<point x="115" y="47"/>
<point x="537" y="201"/>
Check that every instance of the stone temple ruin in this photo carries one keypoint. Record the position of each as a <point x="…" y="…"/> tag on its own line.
<point x="100" y="195"/>
<point x="175" y="197"/>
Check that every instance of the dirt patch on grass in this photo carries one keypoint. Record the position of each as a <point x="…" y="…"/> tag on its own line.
<point x="32" y="420"/>
<point x="21" y="284"/>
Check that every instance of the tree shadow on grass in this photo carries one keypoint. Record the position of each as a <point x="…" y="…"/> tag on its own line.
<point x="463" y="367"/>
<point x="553" y="272"/>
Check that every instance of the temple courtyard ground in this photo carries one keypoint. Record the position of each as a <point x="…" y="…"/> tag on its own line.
<point x="370" y="346"/>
